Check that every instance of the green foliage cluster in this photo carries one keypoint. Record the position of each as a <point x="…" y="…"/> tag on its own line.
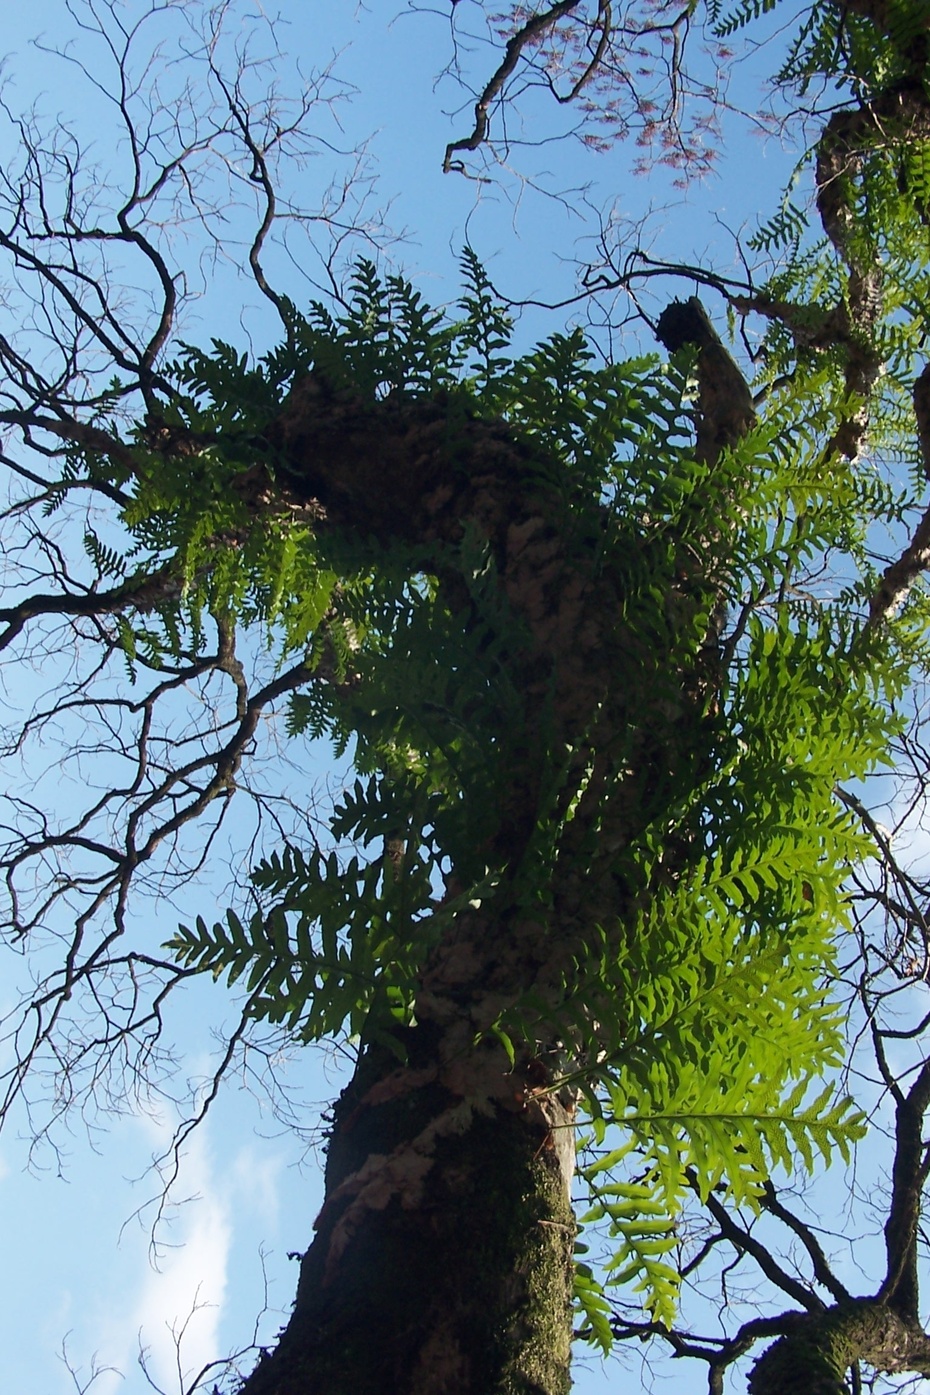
<point x="836" y="43"/>
<point x="697" y="1030"/>
<point x="886" y="193"/>
<point x="723" y="981"/>
<point x="747" y="932"/>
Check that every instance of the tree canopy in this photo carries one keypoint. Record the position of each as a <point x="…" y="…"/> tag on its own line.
<point x="612" y="643"/>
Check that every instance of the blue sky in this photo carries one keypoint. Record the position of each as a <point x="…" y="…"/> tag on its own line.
<point x="81" y="1263"/>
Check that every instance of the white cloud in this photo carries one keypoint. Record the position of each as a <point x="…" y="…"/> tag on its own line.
<point x="256" y="1178"/>
<point x="175" y="1317"/>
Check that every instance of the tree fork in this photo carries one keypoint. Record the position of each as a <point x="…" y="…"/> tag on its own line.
<point x="819" y="1348"/>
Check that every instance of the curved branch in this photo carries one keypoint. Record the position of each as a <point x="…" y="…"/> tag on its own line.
<point x="530" y="32"/>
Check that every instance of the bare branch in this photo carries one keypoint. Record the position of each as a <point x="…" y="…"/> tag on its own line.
<point x="525" y="35"/>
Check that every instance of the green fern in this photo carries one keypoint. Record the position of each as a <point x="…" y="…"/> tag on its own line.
<point x="744" y="14"/>
<point x="725" y="1021"/>
<point x="783" y="230"/>
<point x="107" y="561"/>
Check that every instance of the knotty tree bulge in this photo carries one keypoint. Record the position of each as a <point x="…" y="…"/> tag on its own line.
<point x="608" y="643"/>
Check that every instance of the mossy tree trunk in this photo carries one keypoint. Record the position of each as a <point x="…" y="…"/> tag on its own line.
<point x="443" y="1255"/>
<point x="816" y="1355"/>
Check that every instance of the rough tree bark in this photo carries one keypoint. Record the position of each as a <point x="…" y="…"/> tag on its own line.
<point x="818" y="1350"/>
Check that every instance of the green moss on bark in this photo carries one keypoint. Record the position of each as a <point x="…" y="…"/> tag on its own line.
<point x="465" y="1292"/>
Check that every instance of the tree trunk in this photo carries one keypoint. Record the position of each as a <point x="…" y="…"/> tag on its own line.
<point x="442" y="1262"/>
